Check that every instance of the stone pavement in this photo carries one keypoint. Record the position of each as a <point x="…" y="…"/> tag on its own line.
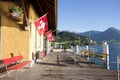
<point x="49" y="69"/>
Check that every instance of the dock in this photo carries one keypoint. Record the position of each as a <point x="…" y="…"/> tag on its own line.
<point x="69" y="67"/>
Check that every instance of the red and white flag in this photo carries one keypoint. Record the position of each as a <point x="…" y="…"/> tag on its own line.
<point x="41" y="25"/>
<point x="50" y="36"/>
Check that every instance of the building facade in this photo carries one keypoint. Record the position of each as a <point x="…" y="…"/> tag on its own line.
<point x="20" y="37"/>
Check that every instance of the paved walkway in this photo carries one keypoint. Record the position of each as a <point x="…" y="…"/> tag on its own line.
<point x="49" y="69"/>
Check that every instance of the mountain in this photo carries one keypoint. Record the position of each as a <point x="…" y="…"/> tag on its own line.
<point x="93" y="32"/>
<point x="69" y="36"/>
<point x="66" y="36"/>
<point x="111" y="34"/>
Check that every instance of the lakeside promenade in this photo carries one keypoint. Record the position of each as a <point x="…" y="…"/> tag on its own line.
<point x="67" y="69"/>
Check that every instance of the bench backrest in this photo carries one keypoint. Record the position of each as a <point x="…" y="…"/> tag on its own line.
<point x="11" y="60"/>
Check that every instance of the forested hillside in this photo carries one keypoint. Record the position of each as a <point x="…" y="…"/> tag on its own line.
<point x="71" y="37"/>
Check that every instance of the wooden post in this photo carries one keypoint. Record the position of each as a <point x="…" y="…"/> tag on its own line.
<point x="118" y="63"/>
<point x="58" y="60"/>
<point x="74" y="60"/>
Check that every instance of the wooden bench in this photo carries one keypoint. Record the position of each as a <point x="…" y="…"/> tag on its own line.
<point x="15" y="63"/>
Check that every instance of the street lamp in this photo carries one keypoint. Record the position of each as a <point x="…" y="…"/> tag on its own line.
<point x="88" y="45"/>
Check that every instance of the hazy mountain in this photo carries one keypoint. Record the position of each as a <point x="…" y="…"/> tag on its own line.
<point x="93" y="32"/>
<point x="111" y="34"/>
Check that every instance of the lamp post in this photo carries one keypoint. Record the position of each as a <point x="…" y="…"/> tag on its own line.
<point x="79" y="41"/>
<point x="88" y="45"/>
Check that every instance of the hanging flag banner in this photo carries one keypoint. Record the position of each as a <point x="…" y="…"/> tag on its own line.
<point x="50" y="36"/>
<point x="41" y="25"/>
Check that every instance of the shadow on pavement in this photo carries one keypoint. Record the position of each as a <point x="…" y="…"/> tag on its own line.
<point x="51" y="64"/>
<point x="67" y="61"/>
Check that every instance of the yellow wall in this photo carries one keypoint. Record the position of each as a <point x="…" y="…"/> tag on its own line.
<point x="14" y="38"/>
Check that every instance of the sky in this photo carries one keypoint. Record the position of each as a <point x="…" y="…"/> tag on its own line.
<point x="86" y="15"/>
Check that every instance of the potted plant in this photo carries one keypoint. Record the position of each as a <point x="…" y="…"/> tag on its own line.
<point x="16" y="12"/>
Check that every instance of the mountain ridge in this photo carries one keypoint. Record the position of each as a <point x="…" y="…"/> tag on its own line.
<point x="111" y="34"/>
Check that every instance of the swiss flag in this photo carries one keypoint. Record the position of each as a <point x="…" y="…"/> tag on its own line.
<point x="41" y="25"/>
<point x="50" y="36"/>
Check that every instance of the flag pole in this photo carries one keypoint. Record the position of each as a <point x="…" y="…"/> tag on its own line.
<point x="51" y="31"/>
<point x="54" y="30"/>
<point x="35" y="20"/>
<point x="41" y="17"/>
<point x="48" y="31"/>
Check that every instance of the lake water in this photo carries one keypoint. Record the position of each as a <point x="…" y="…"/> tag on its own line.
<point x="114" y="50"/>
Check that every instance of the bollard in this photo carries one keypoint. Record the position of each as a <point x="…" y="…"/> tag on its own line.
<point x="118" y="65"/>
<point x="58" y="60"/>
<point x="106" y="50"/>
<point x="74" y="60"/>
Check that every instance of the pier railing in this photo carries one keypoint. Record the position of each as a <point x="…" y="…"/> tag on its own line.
<point x="100" y="56"/>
